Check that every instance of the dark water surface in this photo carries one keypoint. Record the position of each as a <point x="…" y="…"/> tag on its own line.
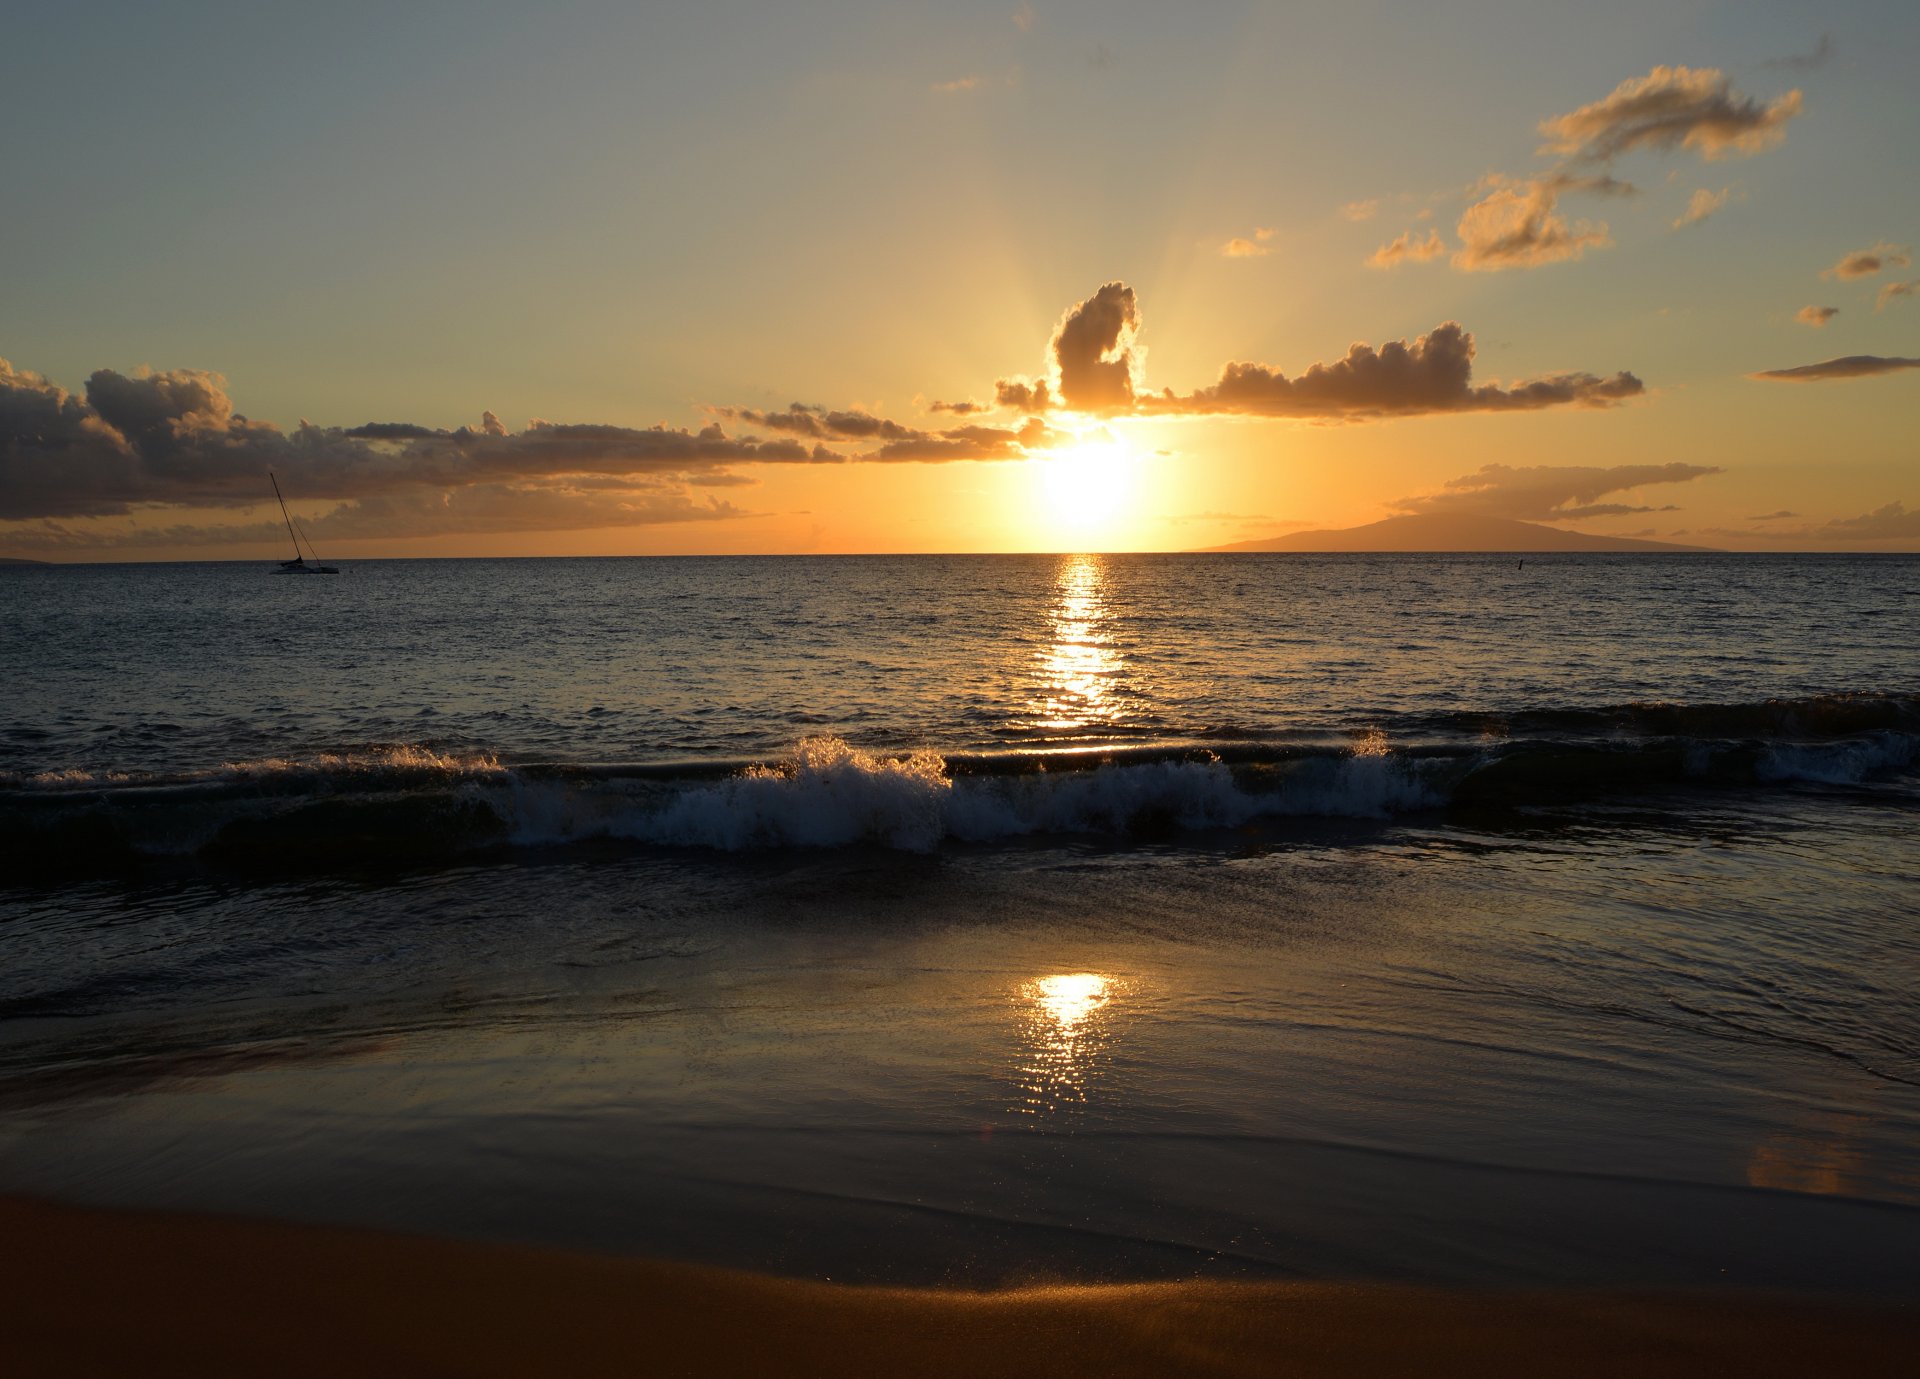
<point x="984" y="919"/>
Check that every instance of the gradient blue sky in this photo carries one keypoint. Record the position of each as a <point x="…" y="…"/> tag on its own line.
<point x="602" y="213"/>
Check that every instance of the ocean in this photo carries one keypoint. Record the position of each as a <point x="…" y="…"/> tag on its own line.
<point x="984" y="920"/>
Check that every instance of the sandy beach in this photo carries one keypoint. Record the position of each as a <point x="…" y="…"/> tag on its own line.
<point x="93" y="1292"/>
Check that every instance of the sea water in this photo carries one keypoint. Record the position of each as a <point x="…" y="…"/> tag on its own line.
<point x="977" y="919"/>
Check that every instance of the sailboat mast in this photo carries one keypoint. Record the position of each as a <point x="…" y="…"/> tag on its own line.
<point x="285" y="515"/>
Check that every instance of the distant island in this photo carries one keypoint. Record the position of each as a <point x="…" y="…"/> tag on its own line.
<point x="1451" y="533"/>
<point x="16" y="560"/>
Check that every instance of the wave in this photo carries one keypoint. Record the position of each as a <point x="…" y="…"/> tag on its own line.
<point x="408" y="802"/>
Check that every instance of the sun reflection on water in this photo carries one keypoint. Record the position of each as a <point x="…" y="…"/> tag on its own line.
<point x="1066" y="1030"/>
<point x="1079" y="670"/>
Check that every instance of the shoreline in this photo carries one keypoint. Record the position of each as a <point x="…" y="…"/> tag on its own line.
<point x="98" y="1291"/>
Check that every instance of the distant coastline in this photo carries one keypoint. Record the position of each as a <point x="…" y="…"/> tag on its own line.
<point x="1447" y="534"/>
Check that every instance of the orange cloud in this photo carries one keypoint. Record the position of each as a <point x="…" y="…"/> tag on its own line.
<point x="1671" y="107"/>
<point x="1516" y="227"/>
<point x="1700" y="205"/>
<point x="1240" y="247"/>
<point x="1816" y="316"/>
<point x="1864" y="263"/>
<point x="1408" y="249"/>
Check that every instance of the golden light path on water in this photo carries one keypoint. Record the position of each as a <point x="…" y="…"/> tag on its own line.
<point x="1067" y="1024"/>
<point x="1080" y="670"/>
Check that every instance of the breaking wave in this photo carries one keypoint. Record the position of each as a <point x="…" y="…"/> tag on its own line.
<point x="403" y="803"/>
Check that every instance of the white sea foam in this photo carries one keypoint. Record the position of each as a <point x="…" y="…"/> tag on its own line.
<point x="1839" y="763"/>
<point x="399" y="759"/>
<point x="827" y="793"/>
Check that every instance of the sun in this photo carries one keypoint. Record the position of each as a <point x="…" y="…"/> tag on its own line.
<point x="1089" y="487"/>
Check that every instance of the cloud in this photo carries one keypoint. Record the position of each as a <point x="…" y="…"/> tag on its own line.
<point x="479" y="509"/>
<point x="1849" y="366"/>
<point x="1023" y="19"/>
<point x="1700" y="205"/>
<point x="151" y="441"/>
<point x="174" y="440"/>
<point x="1550" y="493"/>
<point x="1816" y="316"/>
<point x="1804" y="62"/>
<point x="1240" y="247"/>
<point x="1431" y="375"/>
<point x="1892" y="290"/>
<point x="1515" y="227"/>
<point x="1406" y="248"/>
<point x="1671" y="107"/>
<point x="818" y="423"/>
<point x="969" y="443"/>
<point x="1092" y="348"/>
<point x="1895" y="521"/>
<point x="1092" y="356"/>
<point x="1023" y="395"/>
<point x="1773" y="516"/>
<point x="1864" y="263"/>
<point x="1361" y="210"/>
<point x="1096" y="365"/>
<point x="958" y="85"/>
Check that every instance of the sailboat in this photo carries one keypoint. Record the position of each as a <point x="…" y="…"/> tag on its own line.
<point x="298" y="565"/>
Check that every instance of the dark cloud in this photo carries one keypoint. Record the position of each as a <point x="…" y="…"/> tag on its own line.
<point x="822" y="424"/>
<point x="1672" y="107"/>
<point x="1550" y="492"/>
<point x="965" y="408"/>
<point x="392" y="431"/>
<point x="970" y="443"/>
<point x="174" y="439"/>
<point x="1773" y="516"/>
<point x="1804" y="62"/>
<point x="1864" y="263"/>
<point x="1023" y="396"/>
<point x="1091" y="349"/>
<point x="1433" y="374"/>
<point x="1092" y="358"/>
<point x="481" y="509"/>
<point x="1848" y="366"/>
<point x="1895" y="521"/>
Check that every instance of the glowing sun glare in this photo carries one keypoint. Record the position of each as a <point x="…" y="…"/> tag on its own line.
<point x="1090" y="485"/>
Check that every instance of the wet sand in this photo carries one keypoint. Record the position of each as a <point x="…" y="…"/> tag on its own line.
<point x="92" y="1292"/>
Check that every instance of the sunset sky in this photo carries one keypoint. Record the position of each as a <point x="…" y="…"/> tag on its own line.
<point x="497" y="279"/>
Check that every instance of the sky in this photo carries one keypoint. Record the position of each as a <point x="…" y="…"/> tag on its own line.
<point x="502" y="279"/>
